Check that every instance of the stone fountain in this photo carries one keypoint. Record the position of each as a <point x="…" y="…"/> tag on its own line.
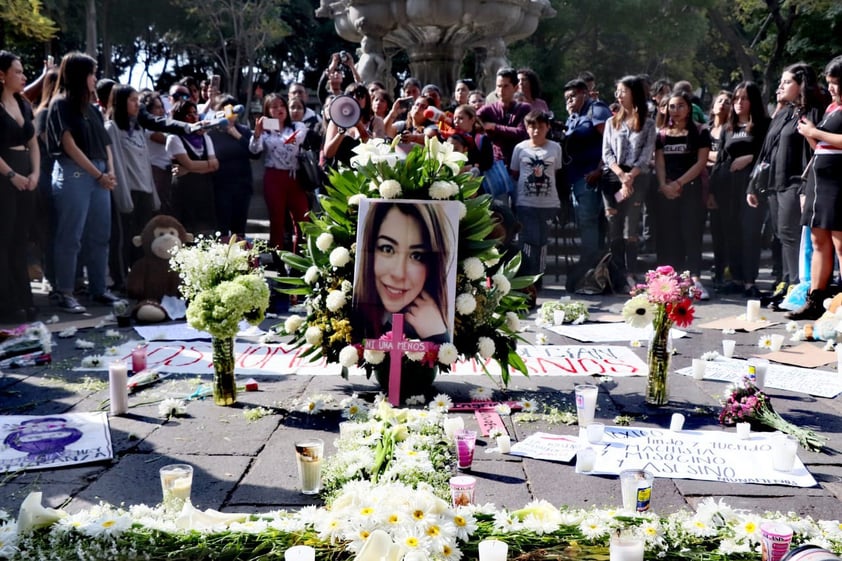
<point x="436" y="34"/>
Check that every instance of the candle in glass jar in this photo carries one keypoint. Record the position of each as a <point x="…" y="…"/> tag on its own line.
<point x="625" y="549"/>
<point x="138" y="359"/>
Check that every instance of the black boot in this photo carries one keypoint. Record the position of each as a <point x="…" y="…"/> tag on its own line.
<point x="812" y="309"/>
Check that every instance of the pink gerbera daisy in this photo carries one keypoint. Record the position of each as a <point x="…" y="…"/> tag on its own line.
<point x="663" y="289"/>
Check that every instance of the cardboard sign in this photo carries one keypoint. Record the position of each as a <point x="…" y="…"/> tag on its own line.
<point x="38" y="442"/>
<point x="702" y="455"/>
<point x="547" y="446"/>
<point x="779" y="376"/>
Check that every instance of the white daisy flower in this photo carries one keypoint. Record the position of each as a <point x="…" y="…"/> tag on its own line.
<point x="792" y="326"/>
<point x="171" y="407"/>
<point x="639" y="311"/>
<point x="324" y="241"/>
<point x="541" y="339"/>
<point x="528" y="406"/>
<point x="503" y="409"/>
<point x="480" y="393"/>
<point x="765" y="342"/>
<point x="441" y="402"/>
<point x="313" y="405"/>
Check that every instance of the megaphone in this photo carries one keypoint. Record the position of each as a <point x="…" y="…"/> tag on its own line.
<point x="344" y="111"/>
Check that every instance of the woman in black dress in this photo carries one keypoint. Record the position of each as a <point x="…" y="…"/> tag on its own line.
<point x="19" y="171"/>
<point x="823" y="205"/>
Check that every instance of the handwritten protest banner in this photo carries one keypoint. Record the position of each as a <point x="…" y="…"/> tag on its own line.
<point x="38" y="442"/>
<point x="820" y="383"/>
<point x="547" y="446"/>
<point x="608" y="332"/>
<point x="195" y="357"/>
<point x="703" y="455"/>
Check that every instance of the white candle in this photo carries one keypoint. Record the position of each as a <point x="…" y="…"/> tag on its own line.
<point x="300" y="553"/>
<point x="743" y="431"/>
<point x="504" y="443"/>
<point x="777" y="342"/>
<point x="493" y="550"/>
<point x="699" y="367"/>
<point x="117" y="387"/>
<point x="585" y="403"/>
<point x="625" y="549"/>
<point x="753" y="310"/>
<point x="676" y="422"/>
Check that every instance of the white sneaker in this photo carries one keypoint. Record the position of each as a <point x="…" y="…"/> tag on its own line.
<point x="701" y="290"/>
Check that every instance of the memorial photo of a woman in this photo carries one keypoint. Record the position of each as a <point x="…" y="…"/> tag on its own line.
<point x="406" y="257"/>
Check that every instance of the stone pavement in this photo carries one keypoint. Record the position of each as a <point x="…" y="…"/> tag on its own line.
<point x="249" y="466"/>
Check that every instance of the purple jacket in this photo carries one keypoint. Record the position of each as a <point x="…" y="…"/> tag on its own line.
<point x="510" y="127"/>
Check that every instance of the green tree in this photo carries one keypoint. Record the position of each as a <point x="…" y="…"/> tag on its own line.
<point x="22" y="19"/>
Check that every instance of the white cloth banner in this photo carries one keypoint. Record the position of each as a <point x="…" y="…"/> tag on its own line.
<point x="38" y="442"/>
<point x="820" y="383"/>
<point x="704" y="455"/>
<point x="195" y="357"/>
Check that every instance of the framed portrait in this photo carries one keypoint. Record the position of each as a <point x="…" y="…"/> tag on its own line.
<point x="406" y="263"/>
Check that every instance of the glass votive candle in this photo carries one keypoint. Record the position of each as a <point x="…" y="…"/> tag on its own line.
<point x="625" y="548"/>
<point x="585" y="460"/>
<point x="777" y="341"/>
<point x="504" y="443"/>
<point x="728" y="347"/>
<point x="462" y="489"/>
<point x="595" y="432"/>
<point x="699" y="367"/>
<point x="493" y="550"/>
<point x="743" y="431"/>
<point x="176" y="485"/>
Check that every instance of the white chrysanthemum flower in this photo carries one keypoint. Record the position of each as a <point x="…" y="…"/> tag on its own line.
<point x="415" y="356"/>
<point x="448" y="353"/>
<point x="340" y="257"/>
<point x="480" y="393"/>
<point x="501" y="283"/>
<point x="512" y="322"/>
<point x="374" y="357"/>
<point x="390" y="189"/>
<point x="473" y="267"/>
<point x="335" y="300"/>
<point x="354" y="200"/>
<point x="171" y="407"/>
<point x="349" y="356"/>
<point x="346" y="286"/>
<point x="84" y="344"/>
<point x="466" y="304"/>
<point x="313" y="335"/>
<point x="324" y="241"/>
<point x="441" y="402"/>
<point x="419" y="399"/>
<point x="292" y="323"/>
<point x="486" y="347"/>
<point x="710" y="355"/>
<point x="311" y="275"/>
<point x="441" y="190"/>
<point x="541" y="339"/>
<point x="113" y="333"/>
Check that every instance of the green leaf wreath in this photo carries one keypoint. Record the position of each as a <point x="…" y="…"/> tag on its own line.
<point x="487" y="322"/>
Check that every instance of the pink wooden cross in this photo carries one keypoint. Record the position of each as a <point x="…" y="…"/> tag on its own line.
<point x="396" y="346"/>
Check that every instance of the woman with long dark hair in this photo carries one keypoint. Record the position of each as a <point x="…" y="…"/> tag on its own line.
<point x="788" y="152"/>
<point x="135" y="197"/>
<point x="83" y="178"/>
<point x="280" y="146"/>
<point x="20" y="168"/>
<point x="681" y="153"/>
<point x="823" y="206"/>
<point x="741" y="223"/>
<point x="627" y="147"/>
<point x="405" y="256"/>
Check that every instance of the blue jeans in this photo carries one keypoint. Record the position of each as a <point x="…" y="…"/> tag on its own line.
<point x="587" y="204"/>
<point x="83" y="224"/>
<point x="534" y="237"/>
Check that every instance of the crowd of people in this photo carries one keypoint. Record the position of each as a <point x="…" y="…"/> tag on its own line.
<point x="85" y="165"/>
